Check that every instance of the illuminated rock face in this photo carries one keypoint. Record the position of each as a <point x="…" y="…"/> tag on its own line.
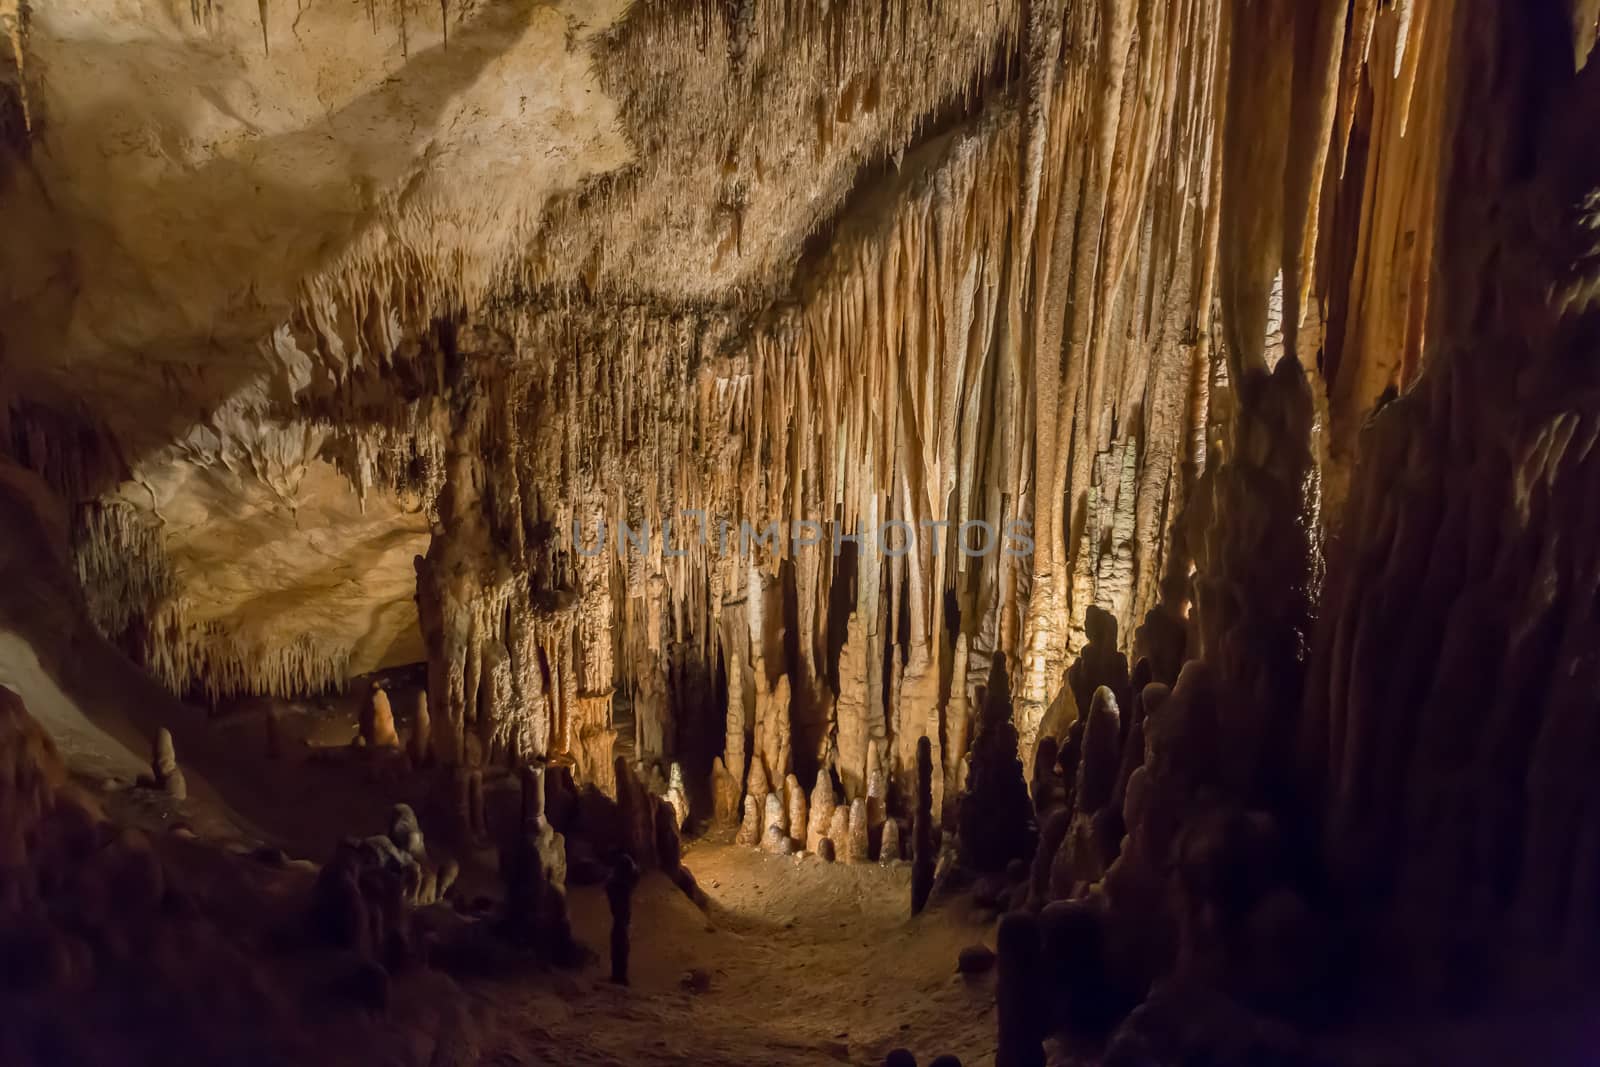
<point x="755" y="385"/>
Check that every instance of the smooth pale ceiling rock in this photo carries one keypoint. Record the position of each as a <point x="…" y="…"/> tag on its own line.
<point x="185" y="185"/>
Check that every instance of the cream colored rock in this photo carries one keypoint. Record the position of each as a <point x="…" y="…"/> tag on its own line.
<point x="377" y="721"/>
<point x="164" y="766"/>
<point x="820" y="821"/>
<point x="839" y="831"/>
<point x="775" y="826"/>
<point x="857" y="842"/>
<point x="677" y="797"/>
<point x="750" y="829"/>
<point x="797" y="814"/>
<point x="889" y="851"/>
<point x="724" y="795"/>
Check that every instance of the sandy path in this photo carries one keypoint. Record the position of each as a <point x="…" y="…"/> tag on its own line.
<point x="809" y="963"/>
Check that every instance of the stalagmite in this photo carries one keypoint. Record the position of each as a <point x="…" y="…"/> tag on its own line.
<point x="677" y="797"/>
<point x="798" y="821"/>
<point x="997" y="819"/>
<point x="406" y="833"/>
<point x="750" y="829"/>
<point x="1090" y="840"/>
<point x="958" y="722"/>
<point x="923" y="848"/>
<point x="377" y="721"/>
<point x="164" y="766"/>
<point x="725" y="793"/>
<point x="1018" y="991"/>
<point x="775" y="826"/>
<point x="839" y="831"/>
<point x="819" y="822"/>
<point x="877" y="796"/>
<point x="889" y="848"/>
<point x="857" y="848"/>
<point x="757" y="788"/>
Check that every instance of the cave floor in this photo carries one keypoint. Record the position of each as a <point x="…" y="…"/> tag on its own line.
<point x="803" y="963"/>
<point x="794" y="961"/>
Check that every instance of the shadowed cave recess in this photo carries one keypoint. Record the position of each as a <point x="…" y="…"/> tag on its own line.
<point x="730" y="532"/>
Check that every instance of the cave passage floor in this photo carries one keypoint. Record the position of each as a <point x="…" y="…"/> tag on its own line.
<point x="798" y="961"/>
<point x="808" y="963"/>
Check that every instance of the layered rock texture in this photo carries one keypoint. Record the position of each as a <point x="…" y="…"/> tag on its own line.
<point x="737" y="383"/>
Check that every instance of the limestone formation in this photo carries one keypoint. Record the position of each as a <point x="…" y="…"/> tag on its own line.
<point x="797" y="816"/>
<point x="594" y="356"/>
<point x="776" y="841"/>
<point x="534" y="916"/>
<point x="923" y="846"/>
<point x="1019" y="988"/>
<point x="975" y="959"/>
<point x="997" y="820"/>
<point x="825" y="850"/>
<point x="377" y="720"/>
<point x="725" y="794"/>
<point x="819" y="822"/>
<point x="889" y="848"/>
<point x="677" y="797"/>
<point x="1101" y="757"/>
<point x="1046" y="784"/>
<point x="758" y="787"/>
<point x="856" y="848"/>
<point x="775" y="827"/>
<point x="1101" y="663"/>
<point x="877" y="795"/>
<point x="839" y="831"/>
<point x="164" y="766"/>
<point x="533" y="795"/>
<point x="750" y="828"/>
<point x="406" y="833"/>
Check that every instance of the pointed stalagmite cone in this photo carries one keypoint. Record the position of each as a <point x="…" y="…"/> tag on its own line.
<point x="889" y="851"/>
<point x="677" y="795"/>
<point x="856" y="847"/>
<point x="377" y="721"/>
<point x="775" y="826"/>
<point x="164" y="766"/>
<point x="797" y="810"/>
<point x="839" y="831"/>
<point x="750" y="828"/>
<point x="724" y="795"/>
<point x="877" y="792"/>
<point x="821" y="816"/>
<point x="758" y="786"/>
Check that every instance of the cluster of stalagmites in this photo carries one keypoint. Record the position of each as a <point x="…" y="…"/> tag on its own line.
<point x="1153" y="881"/>
<point x="787" y="821"/>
